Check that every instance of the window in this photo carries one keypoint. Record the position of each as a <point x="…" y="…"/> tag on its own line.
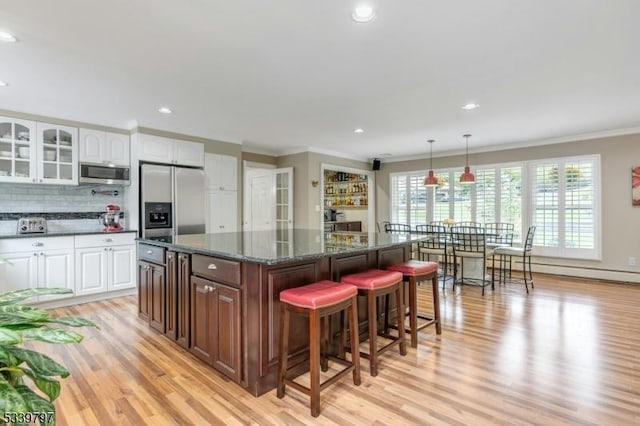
<point x="565" y="206"/>
<point x="408" y="199"/>
<point x="562" y="200"/>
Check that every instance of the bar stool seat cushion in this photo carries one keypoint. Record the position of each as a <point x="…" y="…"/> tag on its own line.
<point x="415" y="267"/>
<point x="373" y="279"/>
<point x="318" y="295"/>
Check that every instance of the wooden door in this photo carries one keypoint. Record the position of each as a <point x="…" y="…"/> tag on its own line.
<point x="201" y="319"/>
<point x="226" y="329"/>
<point x="143" y="290"/>
<point x="183" y="336"/>
<point x="171" y="295"/>
<point x="157" y="291"/>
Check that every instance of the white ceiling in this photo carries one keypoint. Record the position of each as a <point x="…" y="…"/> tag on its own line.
<point x="289" y="75"/>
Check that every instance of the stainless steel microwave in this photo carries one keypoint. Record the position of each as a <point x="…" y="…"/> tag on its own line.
<point x="106" y="174"/>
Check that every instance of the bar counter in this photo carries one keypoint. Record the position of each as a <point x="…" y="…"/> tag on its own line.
<point x="231" y="282"/>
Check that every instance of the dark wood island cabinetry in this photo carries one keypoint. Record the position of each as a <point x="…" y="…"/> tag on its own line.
<point x="234" y="285"/>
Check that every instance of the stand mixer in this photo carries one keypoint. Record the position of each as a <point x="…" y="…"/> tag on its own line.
<point x="111" y="218"/>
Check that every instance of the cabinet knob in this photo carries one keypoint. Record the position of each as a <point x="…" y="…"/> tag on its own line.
<point x="41" y="253"/>
<point x="40" y="180"/>
<point x="211" y="289"/>
<point x="35" y="254"/>
<point x="33" y="180"/>
<point x="212" y="266"/>
<point x="149" y="251"/>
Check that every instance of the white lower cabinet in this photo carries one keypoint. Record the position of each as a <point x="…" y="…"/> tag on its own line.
<point x="38" y="262"/>
<point x="104" y="263"/>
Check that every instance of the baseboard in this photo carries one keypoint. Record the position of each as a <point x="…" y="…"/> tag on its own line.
<point x="77" y="300"/>
<point x="582" y="272"/>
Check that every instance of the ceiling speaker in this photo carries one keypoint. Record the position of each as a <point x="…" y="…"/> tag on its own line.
<point x="376" y="164"/>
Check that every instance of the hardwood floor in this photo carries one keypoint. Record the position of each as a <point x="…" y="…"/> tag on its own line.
<point x="568" y="353"/>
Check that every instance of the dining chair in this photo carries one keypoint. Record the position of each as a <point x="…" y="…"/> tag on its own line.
<point x="500" y="234"/>
<point x="523" y="252"/>
<point x="469" y="243"/>
<point x="397" y="227"/>
<point x="421" y="229"/>
<point x="436" y="244"/>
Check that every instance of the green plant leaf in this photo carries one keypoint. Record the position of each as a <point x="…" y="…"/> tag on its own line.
<point x="34" y="402"/>
<point x="41" y="364"/>
<point x="6" y="358"/>
<point x="49" y="386"/>
<point x="11" y="400"/>
<point x="9" y="337"/>
<point x="29" y="312"/>
<point x="74" y="321"/>
<point x="18" y="295"/>
<point x="51" y="335"/>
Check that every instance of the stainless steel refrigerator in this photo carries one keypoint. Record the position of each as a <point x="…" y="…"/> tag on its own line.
<point x="172" y="201"/>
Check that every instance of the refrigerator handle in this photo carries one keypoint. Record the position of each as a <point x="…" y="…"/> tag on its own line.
<point x="174" y="210"/>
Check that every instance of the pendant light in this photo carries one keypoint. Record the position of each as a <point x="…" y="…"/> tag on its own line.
<point x="430" y="180"/>
<point x="467" y="178"/>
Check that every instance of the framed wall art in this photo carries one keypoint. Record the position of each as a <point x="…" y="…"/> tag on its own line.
<point x="635" y="186"/>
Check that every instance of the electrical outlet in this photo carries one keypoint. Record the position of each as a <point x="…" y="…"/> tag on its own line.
<point x="632" y="261"/>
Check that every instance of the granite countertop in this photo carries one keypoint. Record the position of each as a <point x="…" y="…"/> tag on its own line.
<point x="61" y="234"/>
<point x="272" y="247"/>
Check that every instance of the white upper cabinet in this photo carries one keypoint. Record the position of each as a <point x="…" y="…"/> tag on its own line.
<point x="170" y="151"/>
<point x="104" y="147"/>
<point x="18" y="146"/>
<point x="221" y="171"/>
<point x="33" y="152"/>
<point x="57" y="155"/>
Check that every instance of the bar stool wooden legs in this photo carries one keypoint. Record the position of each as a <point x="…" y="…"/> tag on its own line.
<point x="317" y="301"/>
<point x="413" y="272"/>
<point x="374" y="283"/>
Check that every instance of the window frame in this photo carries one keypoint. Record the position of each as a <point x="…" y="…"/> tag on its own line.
<point x="528" y="206"/>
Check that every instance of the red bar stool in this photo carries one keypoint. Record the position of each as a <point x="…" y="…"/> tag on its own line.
<point x="413" y="272"/>
<point x="374" y="283"/>
<point x="317" y="301"/>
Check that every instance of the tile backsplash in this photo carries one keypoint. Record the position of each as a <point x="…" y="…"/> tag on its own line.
<point x="76" y="207"/>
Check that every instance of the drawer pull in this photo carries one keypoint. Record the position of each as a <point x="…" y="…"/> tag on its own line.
<point x="108" y="240"/>
<point x="149" y="251"/>
<point x="212" y="266"/>
<point x="37" y="244"/>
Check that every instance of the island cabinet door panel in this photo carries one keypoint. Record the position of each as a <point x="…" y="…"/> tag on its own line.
<point x="157" y="297"/>
<point x="278" y="279"/>
<point x="171" y="296"/>
<point x="183" y="335"/>
<point x="201" y="319"/>
<point x="226" y="327"/>
<point x="143" y="290"/>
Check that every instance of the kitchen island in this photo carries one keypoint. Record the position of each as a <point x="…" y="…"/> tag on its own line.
<point x="217" y="294"/>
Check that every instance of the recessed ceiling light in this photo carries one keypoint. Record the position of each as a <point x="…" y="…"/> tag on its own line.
<point x="165" y="110"/>
<point x="3" y="83"/>
<point x="358" y="130"/>
<point x="8" y="38"/>
<point x="470" y="106"/>
<point x="363" y="13"/>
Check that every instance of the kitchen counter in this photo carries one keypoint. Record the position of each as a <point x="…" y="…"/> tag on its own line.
<point x="236" y="278"/>
<point x="265" y="247"/>
<point x="61" y="234"/>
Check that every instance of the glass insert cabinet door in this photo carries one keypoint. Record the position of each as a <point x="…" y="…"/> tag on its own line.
<point x="58" y="153"/>
<point x="17" y="150"/>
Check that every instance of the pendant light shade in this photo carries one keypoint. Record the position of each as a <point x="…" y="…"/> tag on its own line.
<point x="467" y="178"/>
<point x="430" y="180"/>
